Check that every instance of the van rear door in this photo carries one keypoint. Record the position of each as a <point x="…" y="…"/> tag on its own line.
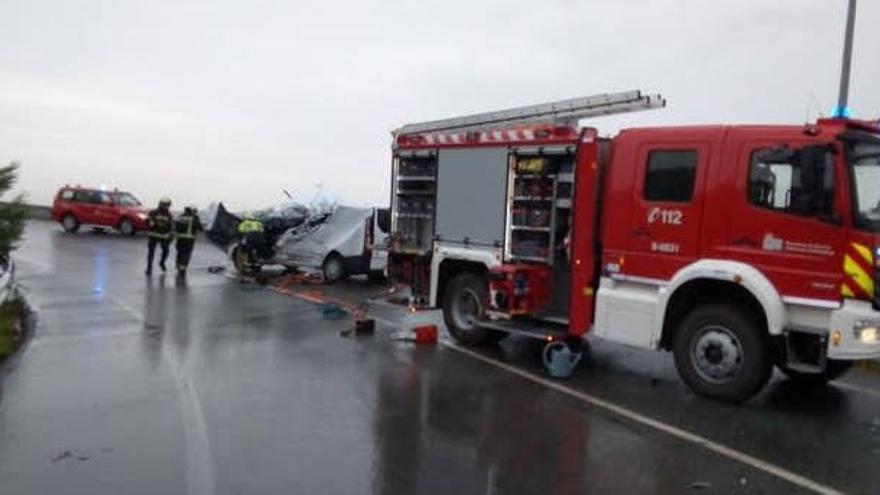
<point x="381" y="225"/>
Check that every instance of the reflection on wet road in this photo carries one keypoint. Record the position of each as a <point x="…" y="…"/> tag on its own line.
<point x="135" y="385"/>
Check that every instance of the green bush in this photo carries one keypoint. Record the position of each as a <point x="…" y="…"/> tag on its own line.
<point x="12" y="221"/>
<point x="10" y="326"/>
<point x="12" y="213"/>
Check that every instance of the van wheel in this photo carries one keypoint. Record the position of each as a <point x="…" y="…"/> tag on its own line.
<point x="463" y="305"/>
<point x="333" y="269"/>
<point x="126" y="227"/>
<point x="722" y="353"/>
<point x="834" y="369"/>
<point x="69" y="223"/>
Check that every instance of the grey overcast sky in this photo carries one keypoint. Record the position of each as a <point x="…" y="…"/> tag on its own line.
<point x="235" y="100"/>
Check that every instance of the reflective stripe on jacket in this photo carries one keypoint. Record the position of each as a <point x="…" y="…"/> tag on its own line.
<point x="187" y="226"/>
<point x="250" y="227"/>
<point x="160" y="223"/>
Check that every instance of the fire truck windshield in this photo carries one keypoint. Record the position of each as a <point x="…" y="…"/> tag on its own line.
<point x="864" y="158"/>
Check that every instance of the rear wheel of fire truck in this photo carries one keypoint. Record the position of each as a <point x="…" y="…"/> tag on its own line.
<point x="333" y="269"/>
<point x="463" y="305"/>
<point x="834" y="369"/>
<point x="722" y="353"/>
<point x="69" y="223"/>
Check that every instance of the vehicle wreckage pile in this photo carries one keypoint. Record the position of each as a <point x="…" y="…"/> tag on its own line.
<point x="337" y="240"/>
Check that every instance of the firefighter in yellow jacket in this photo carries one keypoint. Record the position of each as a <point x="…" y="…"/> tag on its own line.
<point x="253" y="245"/>
<point x="186" y="227"/>
<point x="160" y="222"/>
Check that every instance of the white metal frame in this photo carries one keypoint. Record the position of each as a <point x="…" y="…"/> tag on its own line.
<point x="488" y="256"/>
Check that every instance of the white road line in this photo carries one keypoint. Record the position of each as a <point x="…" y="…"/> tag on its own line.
<point x="720" y="449"/>
<point x="50" y="339"/>
<point x="200" y="470"/>
<point x="855" y="388"/>
<point x="686" y="436"/>
<point x="43" y="266"/>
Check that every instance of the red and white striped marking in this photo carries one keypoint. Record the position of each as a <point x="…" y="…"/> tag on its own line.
<point x="508" y="135"/>
<point x="482" y="136"/>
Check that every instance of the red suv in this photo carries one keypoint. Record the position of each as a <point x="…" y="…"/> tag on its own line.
<point x="75" y="206"/>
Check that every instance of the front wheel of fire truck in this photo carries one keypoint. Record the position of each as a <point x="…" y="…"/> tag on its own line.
<point x="463" y="305"/>
<point x="834" y="369"/>
<point x="722" y="353"/>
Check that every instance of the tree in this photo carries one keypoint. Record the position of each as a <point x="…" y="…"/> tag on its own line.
<point x="12" y="213"/>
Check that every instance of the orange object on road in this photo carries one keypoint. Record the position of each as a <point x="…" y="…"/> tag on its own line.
<point x="425" y="334"/>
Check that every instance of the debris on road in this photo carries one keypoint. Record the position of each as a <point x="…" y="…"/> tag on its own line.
<point x="362" y="327"/>
<point x="288" y="282"/>
<point x="422" y="334"/>
<point x="62" y="456"/>
<point x="333" y="312"/>
<point x="67" y="454"/>
<point x="365" y="326"/>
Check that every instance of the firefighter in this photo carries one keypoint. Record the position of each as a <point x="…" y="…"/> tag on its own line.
<point x="186" y="227"/>
<point x="160" y="222"/>
<point x="252" y="242"/>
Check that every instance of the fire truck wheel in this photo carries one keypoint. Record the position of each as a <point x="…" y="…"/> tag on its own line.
<point x="463" y="305"/>
<point x="722" y="353"/>
<point x="834" y="369"/>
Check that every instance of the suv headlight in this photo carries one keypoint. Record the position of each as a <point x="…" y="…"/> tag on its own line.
<point x="867" y="332"/>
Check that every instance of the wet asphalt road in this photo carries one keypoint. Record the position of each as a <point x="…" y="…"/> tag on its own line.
<point x="136" y="385"/>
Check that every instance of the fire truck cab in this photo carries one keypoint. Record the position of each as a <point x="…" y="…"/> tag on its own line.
<point x="738" y="248"/>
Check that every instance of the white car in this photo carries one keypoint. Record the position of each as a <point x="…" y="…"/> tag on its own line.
<point x="350" y="241"/>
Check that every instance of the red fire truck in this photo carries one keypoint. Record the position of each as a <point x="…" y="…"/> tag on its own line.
<point x="738" y="248"/>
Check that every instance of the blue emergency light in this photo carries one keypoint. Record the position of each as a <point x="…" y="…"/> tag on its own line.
<point x="841" y="113"/>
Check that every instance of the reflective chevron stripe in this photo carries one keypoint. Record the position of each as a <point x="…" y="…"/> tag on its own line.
<point x="858" y="266"/>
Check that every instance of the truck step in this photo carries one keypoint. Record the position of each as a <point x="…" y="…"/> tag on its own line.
<point x="535" y="329"/>
<point x="805" y="368"/>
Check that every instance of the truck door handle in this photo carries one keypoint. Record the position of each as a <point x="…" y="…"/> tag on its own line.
<point x="641" y="232"/>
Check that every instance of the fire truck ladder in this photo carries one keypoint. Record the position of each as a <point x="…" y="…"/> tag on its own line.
<point x="563" y="112"/>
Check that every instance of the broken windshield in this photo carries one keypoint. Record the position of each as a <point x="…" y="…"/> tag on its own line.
<point x="864" y="159"/>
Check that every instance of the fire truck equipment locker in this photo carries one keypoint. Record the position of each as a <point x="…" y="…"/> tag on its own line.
<point x="471" y="196"/>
